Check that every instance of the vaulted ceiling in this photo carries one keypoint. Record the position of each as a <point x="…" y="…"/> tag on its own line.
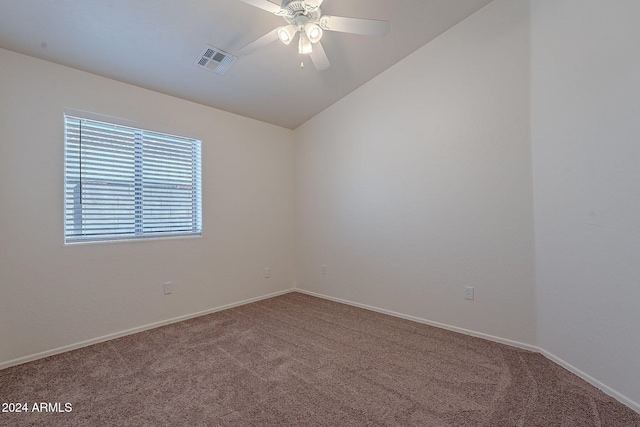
<point x="154" y="44"/>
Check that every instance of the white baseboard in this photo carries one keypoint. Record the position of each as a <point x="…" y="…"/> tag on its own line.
<point x="588" y="378"/>
<point x="426" y="322"/>
<point x="606" y="389"/>
<point x="104" y="338"/>
<point x="594" y="382"/>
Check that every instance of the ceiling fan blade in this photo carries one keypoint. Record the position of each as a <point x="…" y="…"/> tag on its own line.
<point x="264" y="5"/>
<point x="319" y="57"/>
<point x="367" y="27"/>
<point x="268" y="38"/>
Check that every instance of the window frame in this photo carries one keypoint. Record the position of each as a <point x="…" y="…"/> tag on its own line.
<point x="138" y="234"/>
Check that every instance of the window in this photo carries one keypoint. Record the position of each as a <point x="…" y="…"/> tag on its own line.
<point x="128" y="183"/>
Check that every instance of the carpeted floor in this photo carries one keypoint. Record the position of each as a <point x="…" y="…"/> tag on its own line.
<point x="296" y="360"/>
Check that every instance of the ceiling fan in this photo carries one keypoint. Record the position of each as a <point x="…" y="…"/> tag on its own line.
<point x="306" y="18"/>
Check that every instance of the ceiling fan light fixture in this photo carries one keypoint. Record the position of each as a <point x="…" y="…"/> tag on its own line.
<point x="304" y="45"/>
<point x="313" y="31"/>
<point x="285" y="34"/>
<point x="306" y="18"/>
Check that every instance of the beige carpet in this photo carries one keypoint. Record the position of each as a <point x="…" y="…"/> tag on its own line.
<point x="297" y="360"/>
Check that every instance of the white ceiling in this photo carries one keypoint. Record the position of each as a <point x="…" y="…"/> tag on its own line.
<point x="154" y="43"/>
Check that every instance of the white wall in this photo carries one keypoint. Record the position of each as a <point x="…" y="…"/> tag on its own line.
<point x="53" y="295"/>
<point x="419" y="183"/>
<point x="586" y="162"/>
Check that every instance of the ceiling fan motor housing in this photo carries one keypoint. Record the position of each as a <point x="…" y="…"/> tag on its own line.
<point x="298" y="13"/>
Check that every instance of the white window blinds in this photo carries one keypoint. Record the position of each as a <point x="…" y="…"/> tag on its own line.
<point x="127" y="183"/>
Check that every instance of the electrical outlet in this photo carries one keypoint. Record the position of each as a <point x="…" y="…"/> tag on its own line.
<point x="167" y="287"/>
<point x="324" y="270"/>
<point x="267" y="272"/>
<point x="468" y="292"/>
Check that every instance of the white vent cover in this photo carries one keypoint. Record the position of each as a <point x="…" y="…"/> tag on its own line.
<point x="215" y="60"/>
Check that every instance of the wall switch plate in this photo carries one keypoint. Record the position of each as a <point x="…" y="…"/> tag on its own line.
<point x="167" y="288"/>
<point x="324" y="270"/>
<point x="468" y="292"/>
<point x="267" y="272"/>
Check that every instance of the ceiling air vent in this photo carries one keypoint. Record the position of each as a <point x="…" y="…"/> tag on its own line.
<point x="215" y="60"/>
